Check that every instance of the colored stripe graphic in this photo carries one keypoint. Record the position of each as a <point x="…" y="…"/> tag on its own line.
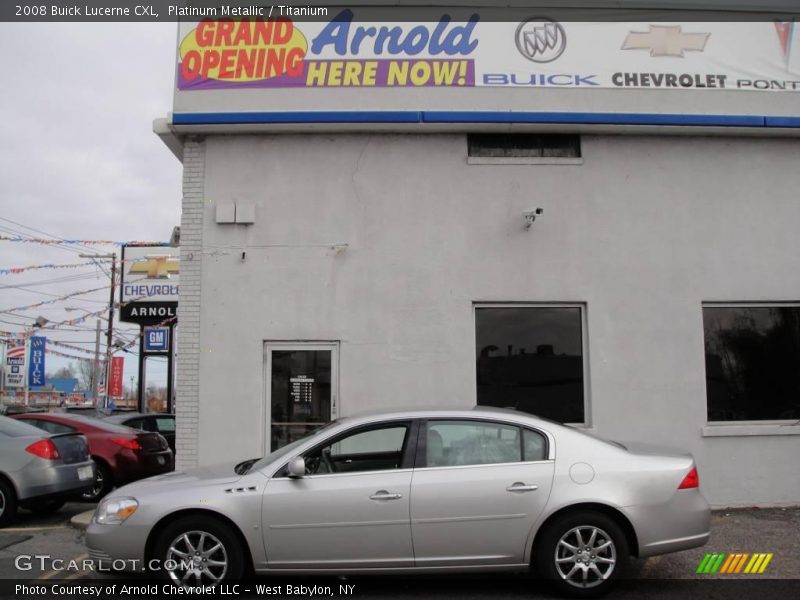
<point x="728" y="563"/>
<point x="734" y="563"/>
<point x="764" y="564"/>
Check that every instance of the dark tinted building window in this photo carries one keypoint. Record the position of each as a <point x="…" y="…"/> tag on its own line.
<point x="515" y="145"/>
<point x="531" y="358"/>
<point x="752" y="362"/>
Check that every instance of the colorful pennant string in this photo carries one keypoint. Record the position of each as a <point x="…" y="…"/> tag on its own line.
<point x="48" y="241"/>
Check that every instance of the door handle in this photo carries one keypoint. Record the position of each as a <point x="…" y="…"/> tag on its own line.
<point x="521" y="487"/>
<point x="384" y="495"/>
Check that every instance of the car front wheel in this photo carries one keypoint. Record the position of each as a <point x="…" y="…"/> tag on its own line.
<point x="198" y="550"/>
<point x="582" y="553"/>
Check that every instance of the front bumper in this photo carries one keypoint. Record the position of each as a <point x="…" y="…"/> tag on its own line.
<point x="124" y="545"/>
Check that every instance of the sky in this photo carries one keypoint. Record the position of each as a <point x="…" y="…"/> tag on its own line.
<point x="79" y="160"/>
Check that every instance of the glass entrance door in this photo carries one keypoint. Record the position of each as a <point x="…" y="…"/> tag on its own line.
<point x="301" y="386"/>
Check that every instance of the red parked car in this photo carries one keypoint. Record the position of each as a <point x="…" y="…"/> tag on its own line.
<point x="121" y="454"/>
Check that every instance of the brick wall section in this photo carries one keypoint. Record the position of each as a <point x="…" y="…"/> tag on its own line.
<point x="187" y="406"/>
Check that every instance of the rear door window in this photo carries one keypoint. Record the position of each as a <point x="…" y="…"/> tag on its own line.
<point x="165" y="424"/>
<point x="458" y="443"/>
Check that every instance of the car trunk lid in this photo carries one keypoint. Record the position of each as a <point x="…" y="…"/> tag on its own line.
<point x="72" y="447"/>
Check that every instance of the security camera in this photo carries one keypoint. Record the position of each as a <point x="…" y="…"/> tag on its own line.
<point x="530" y="216"/>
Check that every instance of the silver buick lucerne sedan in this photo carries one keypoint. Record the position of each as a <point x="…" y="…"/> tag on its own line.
<point x="415" y="491"/>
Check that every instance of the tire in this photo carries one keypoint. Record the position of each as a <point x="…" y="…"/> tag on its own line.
<point x="203" y="534"/>
<point x="103" y="482"/>
<point x="8" y="503"/>
<point x="45" y="507"/>
<point x="564" y="568"/>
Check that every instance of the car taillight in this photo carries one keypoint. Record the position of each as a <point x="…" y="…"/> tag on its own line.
<point x="129" y="443"/>
<point x="44" y="449"/>
<point x="692" y="480"/>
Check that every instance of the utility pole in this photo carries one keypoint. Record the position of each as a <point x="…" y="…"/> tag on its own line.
<point x="110" y="332"/>
<point x="96" y="364"/>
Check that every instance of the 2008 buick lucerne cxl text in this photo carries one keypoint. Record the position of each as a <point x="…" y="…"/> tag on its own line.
<point x="415" y="491"/>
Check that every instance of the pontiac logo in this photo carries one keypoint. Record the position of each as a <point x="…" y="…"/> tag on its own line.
<point x="665" y="41"/>
<point x="785" y="31"/>
<point x="541" y="40"/>
<point x="157" y="266"/>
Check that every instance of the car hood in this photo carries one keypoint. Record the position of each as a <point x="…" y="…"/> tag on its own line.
<point x="213" y="474"/>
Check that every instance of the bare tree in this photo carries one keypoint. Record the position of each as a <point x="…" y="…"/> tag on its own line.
<point x="62" y="373"/>
<point x="86" y="374"/>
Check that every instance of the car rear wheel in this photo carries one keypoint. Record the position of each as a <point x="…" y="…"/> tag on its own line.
<point x="582" y="553"/>
<point x="103" y="482"/>
<point x="199" y="550"/>
<point x="8" y="503"/>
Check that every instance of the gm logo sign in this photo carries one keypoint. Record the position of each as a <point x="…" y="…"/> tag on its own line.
<point x="156" y="339"/>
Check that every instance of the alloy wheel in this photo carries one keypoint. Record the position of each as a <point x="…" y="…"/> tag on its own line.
<point x="97" y="488"/>
<point x="196" y="558"/>
<point x="585" y="556"/>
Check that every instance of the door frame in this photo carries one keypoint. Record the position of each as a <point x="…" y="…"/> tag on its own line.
<point x="269" y="346"/>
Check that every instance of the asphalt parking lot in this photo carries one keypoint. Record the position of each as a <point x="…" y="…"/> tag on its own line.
<point x="670" y="576"/>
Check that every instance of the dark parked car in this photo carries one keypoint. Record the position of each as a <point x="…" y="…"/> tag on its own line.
<point x="121" y="454"/>
<point x="37" y="470"/>
<point x="162" y="423"/>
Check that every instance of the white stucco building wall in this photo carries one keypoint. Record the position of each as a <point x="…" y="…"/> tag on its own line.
<point x="385" y="242"/>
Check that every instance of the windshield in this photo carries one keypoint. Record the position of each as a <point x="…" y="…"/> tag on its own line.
<point x="288" y="449"/>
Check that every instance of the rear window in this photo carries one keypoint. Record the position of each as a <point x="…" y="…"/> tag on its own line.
<point x="100" y="424"/>
<point x="13" y="428"/>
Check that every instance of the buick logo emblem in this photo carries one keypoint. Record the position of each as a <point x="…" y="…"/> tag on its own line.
<point x="541" y="40"/>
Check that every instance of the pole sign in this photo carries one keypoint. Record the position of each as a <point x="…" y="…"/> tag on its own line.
<point x="15" y="366"/>
<point x="115" y="380"/>
<point x="149" y="291"/>
<point x="156" y="339"/>
<point x="36" y="364"/>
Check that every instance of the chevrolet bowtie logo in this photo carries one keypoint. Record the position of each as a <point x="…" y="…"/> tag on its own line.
<point x="156" y="266"/>
<point x="665" y="41"/>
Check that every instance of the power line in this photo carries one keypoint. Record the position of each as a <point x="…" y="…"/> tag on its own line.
<point x="87" y="248"/>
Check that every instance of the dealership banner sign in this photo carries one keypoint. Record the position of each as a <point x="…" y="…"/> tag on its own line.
<point x="271" y="54"/>
<point x="36" y="376"/>
<point x="115" y="379"/>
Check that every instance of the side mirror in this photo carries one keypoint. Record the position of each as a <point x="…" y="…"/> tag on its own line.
<point x="296" y="467"/>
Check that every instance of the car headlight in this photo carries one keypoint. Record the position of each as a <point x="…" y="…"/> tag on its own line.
<point x="114" y="511"/>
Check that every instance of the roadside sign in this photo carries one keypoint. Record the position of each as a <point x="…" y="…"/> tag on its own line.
<point x="156" y="339"/>
<point x="36" y="367"/>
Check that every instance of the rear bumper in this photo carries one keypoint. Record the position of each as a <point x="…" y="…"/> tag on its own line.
<point x="51" y="481"/>
<point x="682" y="523"/>
<point x="131" y="467"/>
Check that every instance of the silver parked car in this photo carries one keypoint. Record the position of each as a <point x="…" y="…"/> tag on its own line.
<point x="38" y="470"/>
<point x="414" y="491"/>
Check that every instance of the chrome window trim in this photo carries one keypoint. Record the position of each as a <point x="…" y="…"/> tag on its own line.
<point x="505" y="464"/>
<point x="551" y="440"/>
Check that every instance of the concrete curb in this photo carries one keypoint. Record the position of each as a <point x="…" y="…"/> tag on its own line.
<point x="81" y="520"/>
